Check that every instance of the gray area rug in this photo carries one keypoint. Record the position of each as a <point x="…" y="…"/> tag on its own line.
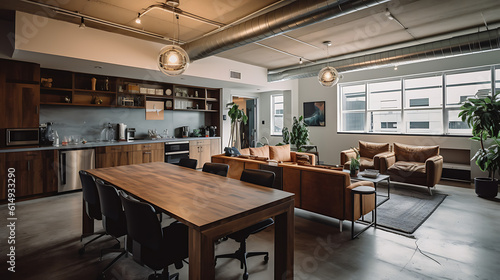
<point x="407" y="209"/>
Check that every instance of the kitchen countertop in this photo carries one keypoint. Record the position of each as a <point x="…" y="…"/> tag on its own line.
<point x="89" y="145"/>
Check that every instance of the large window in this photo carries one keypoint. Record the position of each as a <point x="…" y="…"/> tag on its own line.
<point x="277" y="114"/>
<point x="413" y="105"/>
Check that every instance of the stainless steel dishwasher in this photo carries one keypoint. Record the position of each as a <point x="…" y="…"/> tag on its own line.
<point x="70" y="163"/>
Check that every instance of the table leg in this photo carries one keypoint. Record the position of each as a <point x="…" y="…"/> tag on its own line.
<point x="201" y="256"/>
<point x="284" y="232"/>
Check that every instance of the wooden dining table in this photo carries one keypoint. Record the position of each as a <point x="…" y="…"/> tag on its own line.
<point x="211" y="206"/>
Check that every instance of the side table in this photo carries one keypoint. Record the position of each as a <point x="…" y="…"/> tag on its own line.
<point x="363" y="190"/>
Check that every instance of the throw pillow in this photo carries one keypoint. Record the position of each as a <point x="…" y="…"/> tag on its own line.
<point x="261" y="152"/>
<point x="303" y="159"/>
<point x="280" y="153"/>
<point x="245" y="151"/>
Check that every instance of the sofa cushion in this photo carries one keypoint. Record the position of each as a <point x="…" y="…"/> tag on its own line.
<point x="414" y="153"/>
<point x="405" y="169"/>
<point x="369" y="150"/>
<point x="261" y="151"/>
<point x="245" y="151"/>
<point x="280" y="153"/>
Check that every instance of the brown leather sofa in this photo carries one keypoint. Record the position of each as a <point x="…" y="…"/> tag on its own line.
<point x="419" y="165"/>
<point x="370" y="154"/>
<point x="319" y="190"/>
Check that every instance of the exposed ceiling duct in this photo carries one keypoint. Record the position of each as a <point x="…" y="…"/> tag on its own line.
<point x="465" y="44"/>
<point x="290" y="17"/>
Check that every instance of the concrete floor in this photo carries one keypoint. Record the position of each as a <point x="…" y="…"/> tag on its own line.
<point x="459" y="241"/>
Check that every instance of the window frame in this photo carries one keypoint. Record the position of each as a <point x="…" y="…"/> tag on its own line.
<point x="444" y="108"/>
<point x="273" y="114"/>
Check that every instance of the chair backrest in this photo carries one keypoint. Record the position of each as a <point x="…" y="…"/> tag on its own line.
<point x="90" y="196"/>
<point x="259" y="177"/>
<point x="113" y="216"/>
<point x="188" y="162"/>
<point x="143" y="225"/>
<point x="216" y="168"/>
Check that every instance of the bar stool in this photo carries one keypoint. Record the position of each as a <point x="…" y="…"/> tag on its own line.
<point x="363" y="190"/>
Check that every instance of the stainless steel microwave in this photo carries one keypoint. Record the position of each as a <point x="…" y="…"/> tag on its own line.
<point x="21" y="136"/>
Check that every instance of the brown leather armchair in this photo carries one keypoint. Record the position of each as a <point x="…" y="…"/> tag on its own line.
<point x="419" y="165"/>
<point x="369" y="155"/>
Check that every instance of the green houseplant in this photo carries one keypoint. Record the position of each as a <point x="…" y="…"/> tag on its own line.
<point x="482" y="114"/>
<point x="354" y="166"/>
<point x="299" y="136"/>
<point x="237" y="116"/>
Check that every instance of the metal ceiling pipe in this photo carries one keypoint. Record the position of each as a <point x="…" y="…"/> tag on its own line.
<point x="287" y="18"/>
<point x="465" y="44"/>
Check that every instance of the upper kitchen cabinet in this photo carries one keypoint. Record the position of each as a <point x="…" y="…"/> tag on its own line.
<point x="19" y="94"/>
<point x="20" y="72"/>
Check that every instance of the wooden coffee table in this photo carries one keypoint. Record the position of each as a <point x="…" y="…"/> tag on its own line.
<point x="375" y="181"/>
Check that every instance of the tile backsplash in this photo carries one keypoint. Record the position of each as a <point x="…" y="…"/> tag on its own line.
<point x="88" y="122"/>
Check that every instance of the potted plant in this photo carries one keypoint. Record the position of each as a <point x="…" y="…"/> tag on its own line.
<point x="354" y="166"/>
<point x="299" y="135"/>
<point x="482" y="114"/>
<point x="237" y="117"/>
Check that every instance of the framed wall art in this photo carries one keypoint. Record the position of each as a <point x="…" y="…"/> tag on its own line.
<point x="314" y="113"/>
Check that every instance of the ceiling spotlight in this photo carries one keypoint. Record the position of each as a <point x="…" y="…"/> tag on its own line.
<point x="82" y="23"/>
<point x="173" y="60"/>
<point x="173" y="3"/>
<point x="395" y="67"/>
<point x="138" y="19"/>
<point x="300" y="61"/>
<point x="388" y="14"/>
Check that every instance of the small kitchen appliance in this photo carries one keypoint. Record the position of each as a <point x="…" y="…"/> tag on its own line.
<point x="122" y="131"/>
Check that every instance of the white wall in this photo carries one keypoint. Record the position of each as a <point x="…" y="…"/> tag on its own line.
<point x="330" y="143"/>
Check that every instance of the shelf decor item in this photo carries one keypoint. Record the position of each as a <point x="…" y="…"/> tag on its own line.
<point x="93" y="81"/>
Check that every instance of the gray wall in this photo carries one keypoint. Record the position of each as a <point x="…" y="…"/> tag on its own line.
<point x="330" y="143"/>
<point x="89" y="121"/>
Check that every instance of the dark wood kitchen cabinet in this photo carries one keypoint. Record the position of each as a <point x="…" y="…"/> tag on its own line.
<point x="35" y="173"/>
<point x="145" y="153"/>
<point x="22" y="105"/>
<point x="118" y="155"/>
<point x="112" y="156"/>
<point x="19" y="94"/>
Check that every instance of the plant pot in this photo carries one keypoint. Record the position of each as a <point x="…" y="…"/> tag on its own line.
<point x="354" y="172"/>
<point x="485" y="187"/>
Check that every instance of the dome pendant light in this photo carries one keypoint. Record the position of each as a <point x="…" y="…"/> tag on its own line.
<point x="173" y="60"/>
<point x="328" y="76"/>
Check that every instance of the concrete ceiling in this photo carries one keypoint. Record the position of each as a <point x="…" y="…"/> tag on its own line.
<point x="363" y="30"/>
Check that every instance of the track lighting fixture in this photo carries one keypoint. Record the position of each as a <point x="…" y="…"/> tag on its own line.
<point x="82" y="23"/>
<point x="138" y="19"/>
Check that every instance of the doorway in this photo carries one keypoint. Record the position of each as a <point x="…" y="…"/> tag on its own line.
<point x="248" y="131"/>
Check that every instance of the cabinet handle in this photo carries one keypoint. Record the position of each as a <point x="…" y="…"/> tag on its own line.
<point x="29" y="165"/>
<point x="147" y="153"/>
<point x="146" y="146"/>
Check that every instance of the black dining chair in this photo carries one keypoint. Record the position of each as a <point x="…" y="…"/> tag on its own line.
<point x="188" y="162"/>
<point x="259" y="177"/>
<point x="152" y="245"/>
<point x="113" y="219"/>
<point x="91" y="204"/>
<point x="220" y="169"/>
